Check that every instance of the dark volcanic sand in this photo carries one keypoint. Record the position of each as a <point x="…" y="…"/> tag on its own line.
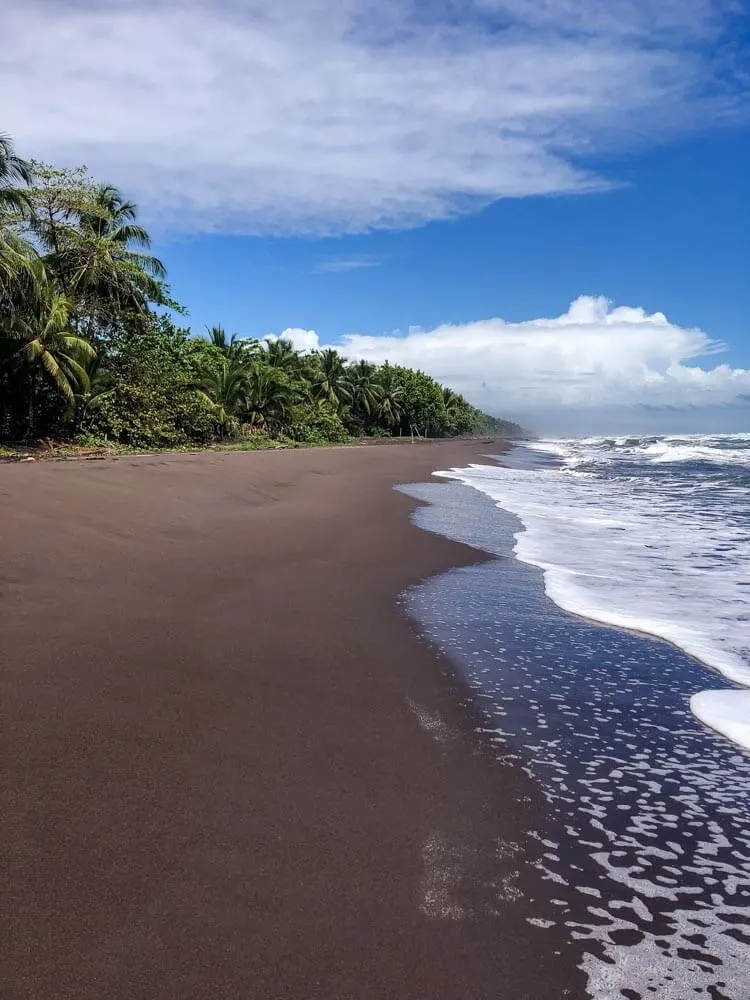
<point x="212" y="784"/>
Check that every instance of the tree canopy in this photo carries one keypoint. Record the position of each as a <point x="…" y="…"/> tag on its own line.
<point x="90" y="346"/>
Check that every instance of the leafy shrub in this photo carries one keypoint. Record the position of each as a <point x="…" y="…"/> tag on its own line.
<point x="317" y="425"/>
<point x="152" y="402"/>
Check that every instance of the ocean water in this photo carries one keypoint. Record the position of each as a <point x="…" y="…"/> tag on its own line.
<point x="607" y="653"/>
<point x="651" y="534"/>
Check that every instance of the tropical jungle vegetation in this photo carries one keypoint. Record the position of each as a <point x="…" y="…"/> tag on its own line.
<point x="92" y="346"/>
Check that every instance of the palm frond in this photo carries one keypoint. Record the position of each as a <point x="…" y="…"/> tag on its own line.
<point x="131" y="234"/>
<point x="12" y="168"/>
<point x="57" y="375"/>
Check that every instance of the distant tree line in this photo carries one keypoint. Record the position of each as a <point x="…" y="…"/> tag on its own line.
<point x="89" y="348"/>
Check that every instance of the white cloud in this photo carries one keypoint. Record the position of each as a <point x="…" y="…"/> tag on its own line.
<point x="569" y="370"/>
<point x="341" y="115"/>
<point x="303" y="340"/>
<point x="342" y="265"/>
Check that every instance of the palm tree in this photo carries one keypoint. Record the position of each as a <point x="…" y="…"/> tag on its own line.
<point x="99" y="388"/>
<point x="391" y="406"/>
<point x="218" y="337"/>
<point x="452" y="401"/>
<point x="99" y="257"/>
<point x="107" y="213"/>
<point x="330" y="381"/>
<point x="45" y="344"/>
<point x="281" y="354"/>
<point x="19" y="272"/>
<point x="391" y="400"/>
<point x="225" y="391"/>
<point x="13" y="172"/>
<point x="270" y="396"/>
<point x="235" y="349"/>
<point x="365" y="391"/>
<point x="22" y="275"/>
<point x="460" y="416"/>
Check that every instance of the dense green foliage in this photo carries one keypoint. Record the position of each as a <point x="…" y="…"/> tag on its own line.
<point x="88" y="345"/>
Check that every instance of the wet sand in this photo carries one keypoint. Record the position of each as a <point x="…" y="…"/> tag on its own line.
<point x="228" y="766"/>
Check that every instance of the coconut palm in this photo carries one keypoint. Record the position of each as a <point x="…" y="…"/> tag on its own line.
<point x="365" y="390"/>
<point x="461" y="418"/>
<point x="15" y="174"/>
<point x="46" y="345"/>
<point x="452" y="401"/>
<point x="225" y="391"/>
<point x="391" y="406"/>
<point x="98" y="255"/>
<point x="391" y="402"/>
<point x="218" y="337"/>
<point x="330" y="380"/>
<point x="19" y="274"/>
<point x="107" y="213"/>
<point x="99" y="388"/>
<point x="22" y="275"/>
<point x="281" y="354"/>
<point x="270" y="396"/>
<point x="234" y="348"/>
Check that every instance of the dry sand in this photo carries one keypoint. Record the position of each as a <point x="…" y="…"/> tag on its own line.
<point x="214" y="782"/>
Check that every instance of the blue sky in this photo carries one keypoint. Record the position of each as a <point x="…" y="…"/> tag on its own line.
<point x="675" y="237"/>
<point x="459" y="171"/>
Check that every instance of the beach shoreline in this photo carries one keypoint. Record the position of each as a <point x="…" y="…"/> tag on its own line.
<point x="640" y="792"/>
<point x="230" y="766"/>
<point x="48" y="450"/>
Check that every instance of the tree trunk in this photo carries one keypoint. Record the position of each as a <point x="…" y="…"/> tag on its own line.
<point x="31" y="423"/>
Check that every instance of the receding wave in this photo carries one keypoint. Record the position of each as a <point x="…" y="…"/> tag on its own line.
<point x="646" y="838"/>
<point x="625" y="541"/>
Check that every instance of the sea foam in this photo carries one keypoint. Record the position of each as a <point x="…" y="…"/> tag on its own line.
<point x="728" y="712"/>
<point x="626" y="542"/>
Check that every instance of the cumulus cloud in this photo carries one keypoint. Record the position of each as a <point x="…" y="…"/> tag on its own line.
<point x="303" y="340"/>
<point x="327" y="116"/>
<point x="572" y="370"/>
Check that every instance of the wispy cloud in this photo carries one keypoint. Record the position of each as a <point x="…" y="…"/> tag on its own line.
<point x="342" y="265"/>
<point x="569" y="370"/>
<point x="327" y="116"/>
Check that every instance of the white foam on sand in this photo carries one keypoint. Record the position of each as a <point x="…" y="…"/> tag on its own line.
<point x="647" y="851"/>
<point x="443" y="864"/>
<point x="728" y="712"/>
